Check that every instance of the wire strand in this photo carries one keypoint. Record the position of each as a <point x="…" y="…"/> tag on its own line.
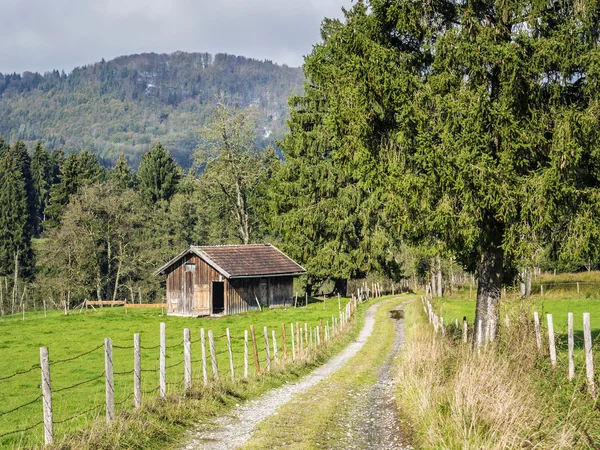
<point x="79" y="384"/>
<point x="4" y="413"/>
<point x="22" y="372"/>
<point x="22" y="429"/>
<point x="76" y="357"/>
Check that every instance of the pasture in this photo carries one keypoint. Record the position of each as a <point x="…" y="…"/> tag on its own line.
<point x="78" y="384"/>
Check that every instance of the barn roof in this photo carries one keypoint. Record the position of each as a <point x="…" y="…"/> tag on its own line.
<point x="243" y="261"/>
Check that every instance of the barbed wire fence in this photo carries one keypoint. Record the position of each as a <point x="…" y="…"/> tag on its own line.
<point x="305" y="340"/>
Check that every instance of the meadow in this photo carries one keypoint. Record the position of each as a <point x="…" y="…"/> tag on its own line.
<point x="560" y="296"/>
<point x="83" y="334"/>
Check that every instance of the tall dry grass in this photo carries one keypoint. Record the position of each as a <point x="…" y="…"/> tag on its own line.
<point x="460" y="398"/>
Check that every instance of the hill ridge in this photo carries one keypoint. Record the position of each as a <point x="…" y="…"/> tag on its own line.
<point x="125" y="104"/>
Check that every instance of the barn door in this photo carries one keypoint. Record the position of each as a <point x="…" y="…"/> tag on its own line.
<point x="187" y="305"/>
<point x="218" y="297"/>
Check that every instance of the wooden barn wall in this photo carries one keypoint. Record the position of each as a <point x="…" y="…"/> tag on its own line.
<point x="270" y="291"/>
<point x="281" y="291"/>
<point x="240" y="294"/>
<point x="203" y="277"/>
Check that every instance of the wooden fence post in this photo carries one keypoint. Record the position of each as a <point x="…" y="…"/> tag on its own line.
<point x="589" y="360"/>
<point x="578" y="288"/>
<point x="283" y="338"/>
<point x="203" y="346"/>
<point x="538" y="335"/>
<point x="551" y="343"/>
<point x="464" y="329"/>
<point x="256" y="362"/>
<point x="306" y="334"/>
<point x="319" y="335"/>
<point x="293" y="343"/>
<point x="110" y="386"/>
<point x="187" y="359"/>
<point x="245" y="353"/>
<point x="230" y="354"/>
<point x="339" y="302"/>
<point x="301" y="349"/>
<point x="213" y="354"/>
<point x="571" y="344"/>
<point x="47" y="396"/>
<point x="541" y="290"/>
<point x="137" y="371"/>
<point x="163" y="359"/>
<point x="298" y="336"/>
<point x="321" y="331"/>
<point x="267" y="351"/>
<point x="310" y="331"/>
<point x="275" y="357"/>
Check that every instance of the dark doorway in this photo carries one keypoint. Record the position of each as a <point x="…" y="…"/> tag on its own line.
<point x="218" y="297"/>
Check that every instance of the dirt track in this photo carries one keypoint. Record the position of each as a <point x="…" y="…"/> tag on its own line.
<point x="373" y="420"/>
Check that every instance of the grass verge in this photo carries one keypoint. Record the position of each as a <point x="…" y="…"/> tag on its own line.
<point x="503" y="397"/>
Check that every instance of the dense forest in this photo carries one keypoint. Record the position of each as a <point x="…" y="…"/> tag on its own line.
<point x="123" y="105"/>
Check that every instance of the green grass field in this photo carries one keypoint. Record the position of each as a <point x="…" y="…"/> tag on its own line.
<point x="69" y="336"/>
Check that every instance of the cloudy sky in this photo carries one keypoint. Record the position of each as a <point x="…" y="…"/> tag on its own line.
<point x="41" y="35"/>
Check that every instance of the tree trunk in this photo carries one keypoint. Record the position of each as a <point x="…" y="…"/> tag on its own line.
<point x="15" y="281"/>
<point x="309" y="285"/>
<point x="242" y="213"/>
<point x="489" y="277"/>
<point x="439" y="276"/>
<point x="340" y="286"/>
<point x="117" y="280"/>
<point x="433" y="278"/>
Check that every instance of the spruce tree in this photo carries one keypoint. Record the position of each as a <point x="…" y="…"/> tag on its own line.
<point x="41" y="173"/>
<point x="471" y="124"/>
<point x="158" y="175"/>
<point x="121" y="174"/>
<point x="21" y="163"/>
<point x="57" y="158"/>
<point x="3" y="146"/>
<point x="76" y="172"/>
<point x="15" y="231"/>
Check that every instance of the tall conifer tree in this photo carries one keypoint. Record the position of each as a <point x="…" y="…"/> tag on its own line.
<point x="15" y="226"/>
<point x="472" y="124"/>
<point x="158" y="175"/>
<point x="41" y="173"/>
<point x="121" y="174"/>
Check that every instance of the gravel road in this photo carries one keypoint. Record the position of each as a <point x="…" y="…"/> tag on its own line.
<point x="372" y="421"/>
<point x="236" y="428"/>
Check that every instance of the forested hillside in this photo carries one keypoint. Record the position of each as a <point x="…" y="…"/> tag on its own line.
<point x="123" y="105"/>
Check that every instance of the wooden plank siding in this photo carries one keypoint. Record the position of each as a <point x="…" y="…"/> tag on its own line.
<point x="240" y="293"/>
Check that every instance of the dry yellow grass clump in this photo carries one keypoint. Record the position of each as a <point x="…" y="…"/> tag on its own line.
<point x="458" y="398"/>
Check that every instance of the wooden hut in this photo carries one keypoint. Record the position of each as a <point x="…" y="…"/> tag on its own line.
<point x="229" y="279"/>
